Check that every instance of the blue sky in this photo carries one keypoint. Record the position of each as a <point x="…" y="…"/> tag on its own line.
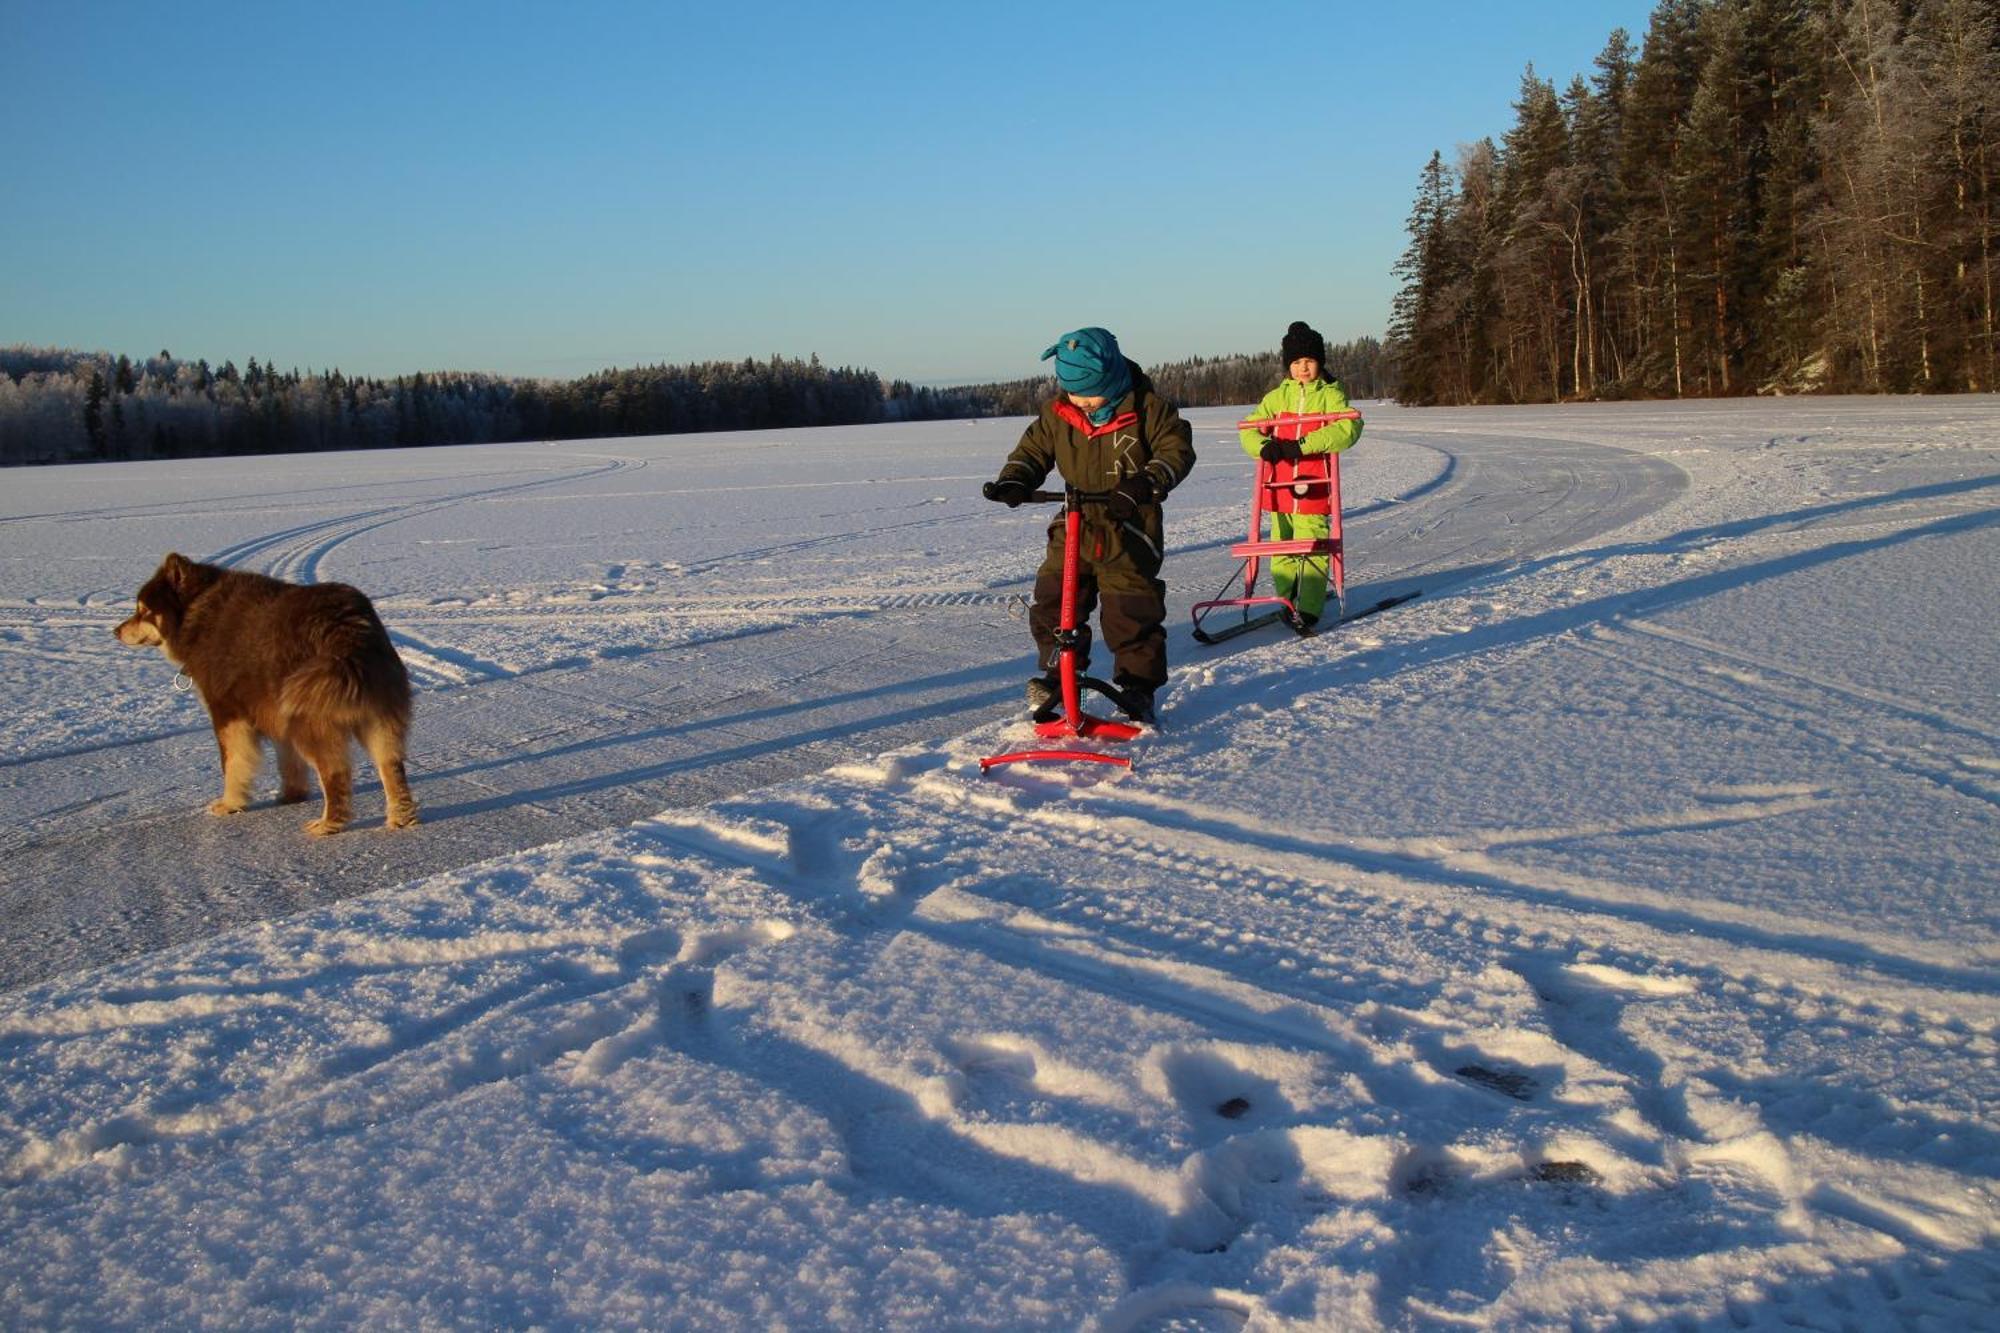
<point x="931" y="191"/>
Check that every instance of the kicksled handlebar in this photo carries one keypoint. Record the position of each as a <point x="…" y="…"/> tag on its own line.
<point x="1053" y="497"/>
<point x="1065" y="497"/>
<point x="1313" y="419"/>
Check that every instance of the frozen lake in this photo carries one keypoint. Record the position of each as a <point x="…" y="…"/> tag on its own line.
<point x="1605" y="938"/>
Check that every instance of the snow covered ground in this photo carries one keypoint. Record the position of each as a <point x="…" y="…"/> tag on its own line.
<point x="1604" y="939"/>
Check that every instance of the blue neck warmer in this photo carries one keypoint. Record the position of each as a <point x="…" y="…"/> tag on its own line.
<point x="1114" y="393"/>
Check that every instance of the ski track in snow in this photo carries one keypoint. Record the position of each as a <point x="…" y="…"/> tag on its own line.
<point x="1282" y="1080"/>
<point x="1857" y="718"/>
<point x="1137" y="1054"/>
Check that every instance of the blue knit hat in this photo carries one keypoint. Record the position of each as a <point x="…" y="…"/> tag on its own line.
<point x="1088" y="363"/>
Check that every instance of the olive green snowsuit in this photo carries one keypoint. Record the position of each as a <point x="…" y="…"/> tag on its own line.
<point x="1121" y="561"/>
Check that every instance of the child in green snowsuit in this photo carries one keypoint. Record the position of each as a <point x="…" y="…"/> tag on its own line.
<point x="1305" y="391"/>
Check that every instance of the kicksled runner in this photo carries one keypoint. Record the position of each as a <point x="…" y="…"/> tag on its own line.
<point x="1072" y="722"/>
<point x="1309" y="486"/>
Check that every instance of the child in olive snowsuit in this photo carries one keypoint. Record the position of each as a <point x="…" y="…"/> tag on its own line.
<point x="1105" y="430"/>
<point x="1305" y="391"/>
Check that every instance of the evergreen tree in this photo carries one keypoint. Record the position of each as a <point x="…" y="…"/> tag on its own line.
<point x="1953" y="50"/>
<point x="1536" y="201"/>
<point x="1772" y="195"/>
<point x="93" y="414"/>
<point x="1419" y="340"/>
<point x="1652" y="237"/>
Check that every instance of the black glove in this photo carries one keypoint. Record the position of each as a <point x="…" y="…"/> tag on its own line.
<point x="1010" y="493"/>
<point x="1281" y="451"/>
<point x="1128" y="495"/>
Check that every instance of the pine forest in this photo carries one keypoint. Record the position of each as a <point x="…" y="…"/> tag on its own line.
<point x="1772" y="196"/>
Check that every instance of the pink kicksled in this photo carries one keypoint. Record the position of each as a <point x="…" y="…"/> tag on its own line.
<point x="1074" y="722"/>
<point x="1310" y="486"/>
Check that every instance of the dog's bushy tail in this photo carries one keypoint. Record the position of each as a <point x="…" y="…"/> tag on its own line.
<point x="351" y="674"/>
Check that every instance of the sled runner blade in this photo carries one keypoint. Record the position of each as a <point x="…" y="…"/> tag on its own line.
<point x="1383" y="605"/>
<point x="1044" y="756"/>
<point x="1241" y="627"/>
<point x="1299" y="627"/>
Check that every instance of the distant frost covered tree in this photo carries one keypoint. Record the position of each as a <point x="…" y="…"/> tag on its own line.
<point x="58" y="405"/>
<point x="1769" y="196"/>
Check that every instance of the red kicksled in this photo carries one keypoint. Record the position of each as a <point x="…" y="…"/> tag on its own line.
<point x="1310" y="486"/>
<point x="1074" y="722"/>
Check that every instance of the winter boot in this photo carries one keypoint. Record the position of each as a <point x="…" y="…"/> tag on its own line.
<point x="1135" y="700"/>
<point x="1044" y="697"/>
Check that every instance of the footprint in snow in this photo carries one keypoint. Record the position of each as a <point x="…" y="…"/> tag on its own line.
<point x="980" y="1059"/>
<point x="1507" y="1082"/>
<point x="1220" y="1096"/>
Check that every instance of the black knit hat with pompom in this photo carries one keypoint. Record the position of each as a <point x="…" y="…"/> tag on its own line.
<point x="1300" y="340"/>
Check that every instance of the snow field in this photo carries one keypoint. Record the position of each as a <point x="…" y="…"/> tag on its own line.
<point x="1604" y="939"/>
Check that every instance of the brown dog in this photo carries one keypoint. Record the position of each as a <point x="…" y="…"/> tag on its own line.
<point x="309" y="666"/>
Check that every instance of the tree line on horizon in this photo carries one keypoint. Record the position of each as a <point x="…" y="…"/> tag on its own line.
<point x="60" y="405"/>
<point x="1772" y="196"/>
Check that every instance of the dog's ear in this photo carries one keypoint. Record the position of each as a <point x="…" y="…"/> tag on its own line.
<point x="178" y="569"/>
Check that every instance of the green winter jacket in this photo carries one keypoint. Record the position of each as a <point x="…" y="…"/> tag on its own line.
<point x="1304" y="400"/>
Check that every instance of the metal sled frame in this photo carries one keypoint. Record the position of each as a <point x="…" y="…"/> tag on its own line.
<point x="1254" y="552"/>
<point x="1074" y="722"/>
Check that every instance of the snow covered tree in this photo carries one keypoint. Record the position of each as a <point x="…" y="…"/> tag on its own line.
<point x="1420" y="342"/>
<point x="1770" y="196"/>
<point x="93" y="414"/>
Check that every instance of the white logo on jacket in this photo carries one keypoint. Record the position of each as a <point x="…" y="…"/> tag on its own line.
<point x="1125" y="448"/>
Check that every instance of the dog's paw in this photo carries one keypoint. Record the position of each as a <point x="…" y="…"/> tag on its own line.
<point x="323" y="827"/>
<point x="222" y="805"/>
<point x="405" y="818"/>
